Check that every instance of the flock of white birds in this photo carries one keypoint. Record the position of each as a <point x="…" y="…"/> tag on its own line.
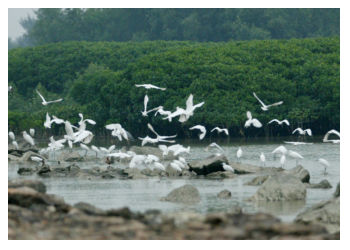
<point x="80" y="135"/>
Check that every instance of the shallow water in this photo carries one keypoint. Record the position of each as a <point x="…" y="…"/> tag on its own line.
<point x="140" y="195"/>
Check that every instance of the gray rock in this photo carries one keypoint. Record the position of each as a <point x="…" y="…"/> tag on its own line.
<point x="26" y="170"/>
<point x="224" y="194"/>
<point x="44" y="171"/>
<point x="257" y="181"/>
<point x="244" y="168"/>
<point x="324" y="184"/>
<point x="300" y="173"/>
<point x="89" y="209"/>
<point x="70" y="156"/>
<point x="187" y="194"/>
<point x="13" y="157"/>
<point x="280" y="188"/>
<point x="34" y="184"/>
<point x="208" y="165"/>
<point x="326" y="214"/>
<point x="221" y="175"/>
<point x="337" y="191"/>
<point x="133" y="173"/>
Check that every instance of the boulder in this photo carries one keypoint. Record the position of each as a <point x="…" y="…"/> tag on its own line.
<point x="257" y="181"/>
<point x="26" y="170"/>
<point x="208" y="165"/>
<point x="224" y="194"/>
<point x="34" y="184"/>
<point x="187" y="194"/>
<point x="324" y="184"/>
<point x="221" y="175"/>
<point x="89" y="209"/>
<point x="44" y="171"/>
<point x="13" y="157"/>
<point x="70" y="156"/>
<point x="244" y="168"/>
<point x="280" y="187"/>
<point x="337" y="191"/>
<point x="326" y="214"/>
<point x="300" y="173"/>
<point x="133" y="173"/>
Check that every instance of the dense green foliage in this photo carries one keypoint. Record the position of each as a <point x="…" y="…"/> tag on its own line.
<point x="98" y="78"/>
<point x="57" y="25"/>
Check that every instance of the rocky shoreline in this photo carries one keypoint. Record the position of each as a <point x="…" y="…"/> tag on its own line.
<point x="33" y="214"/>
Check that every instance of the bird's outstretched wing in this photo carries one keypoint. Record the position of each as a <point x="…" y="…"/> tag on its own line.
<point x="286" y="122"/>
<point x="140" y="85"/>
<point x="152" y="129"/>
<point x="216" y="128"/>
<point x="58" y="100"/>
<point x="41" y="96"/>
<point x="256" y="123"/>
<point x="308" y="131"/>
<point x="258" y="99"/>
<point x="189" y="102"/>
<point x="249" y="115"/>
<point x="275" y="104"/>
<point x="274" y="120"/>
<point x="299" y="130"/>
<point x="145" y="101"/>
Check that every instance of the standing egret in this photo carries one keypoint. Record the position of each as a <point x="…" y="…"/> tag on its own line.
<point x="31" y="132"/>
<point x="324" y="163"/>
<point x="14" y="143"/>
<point x="45" y="102"/>
<point x="282" y="160"/>
<point x="83" y="146"/>
<point x="94" y="148"/>
<point x="227" y="167"/>
<point x="295" y="155"/>
<point x="266" y="107"/>
<point x="202" y="129"/>
<point x="255" y="122"/>
<point x="239" y="154"/>
<point x="149" y="86"/>
<point x="262" y="158"/>
<point x="279" y="150"/>
<point x="12" y="136"/>
<point x="28" y="138"/>
<point x="225" y="130"/>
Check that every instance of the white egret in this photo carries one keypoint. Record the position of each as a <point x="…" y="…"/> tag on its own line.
<point x="9" y="88"/>
<point x="262" y="159"/>
<point x="57" y="120"/>
<point x="225" y="130"/>
<point x="266" y="107"/>
<point x="28" y="138"/>
<point x="145" y="101"/>
<point x="255" y="122"/>
<point x="324" y="163"/>
<point x="14" y="143"/>
<point x="282" y="160"/>
<point x="119" y="131"/>
<point x="137" y="160"/>
<point x="151" y="158"/>
<point x="227" y="167"/>
<point x="31" y="132"/>
<point x="333" y="131"/>
<point x="202" y="129"/>
<point x="176" y="166"/>
<point x="164" y="149"/>
<point x="214" y="145"/>
<point x="159" y="165"/>
<point x="303" y="132"/>
<point x="295" y="155"/>
<point x="280" y="149"/>
<point x="161" y="111"/>
<point x="148" y="139"/>
<point x="85" y="147"/>
<point x="149" y="86"/>
<point x="45" y="102"/>
<point x="107" y="151"/>
<point x="280" y="122"/>
<point x="37" y="159"/>
<point x="239" y="154"/>
<point x="12" y="136"/>
<point x="95" y="149"/>
<point x="296" y="143"/>
<point x="84" y="136"/>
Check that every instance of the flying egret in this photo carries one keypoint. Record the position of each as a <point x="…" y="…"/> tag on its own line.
<point x="255" y="122"/>
<point x="84" y="137"/>
<point x="280" y="122"/>
<point x="262" y="158"/>
<point x="225" y="130"/>
<point x="227" y="167"/>
<point x="149" y="86"/>
<point x="295" y="155"/>
<point x="119" y="131"/>
<point x="28" y="138"/>
<point x="161" y="111"/>
<point x="266" y="107"/>
<point x="202" y="129"/>
<point x="282" y="160"/>
<point x="239" y="154"/>
<point x="324" y="163"/>
<point x="303" y="132"/>
<point x="12" y="136"/>
<point x="45" y="102"/>
<point x="214" y="145"/>
<point x="31" y="132"/>
<point x="333" y="131"/>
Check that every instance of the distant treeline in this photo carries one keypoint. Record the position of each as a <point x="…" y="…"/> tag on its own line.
<point x="98" y="79"/>
<point x="203" y="25"/>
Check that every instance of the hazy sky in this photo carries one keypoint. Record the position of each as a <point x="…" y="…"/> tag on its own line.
<point x="14" y="16"/>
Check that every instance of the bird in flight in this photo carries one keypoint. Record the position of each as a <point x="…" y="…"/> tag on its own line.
<point x="279" y="122"/>
<point x="149" y="86"/>
<point x="303" y="132"/>
<point x="202" y="129"/>
<point x="45" y="102"/>
<point x="255" y="122"/>
<point x="266" y="107"/>
<point x="225" y="130"/>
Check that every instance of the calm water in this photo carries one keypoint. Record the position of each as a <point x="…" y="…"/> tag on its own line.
<point x="140" y="195"/>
